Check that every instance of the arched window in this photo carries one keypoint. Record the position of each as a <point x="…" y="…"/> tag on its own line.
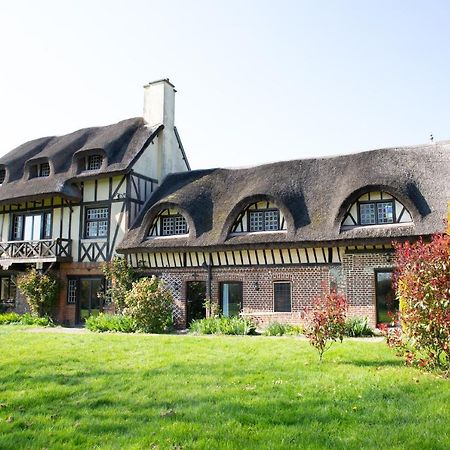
<point x="258" y="217"/>
<point x="168" y="222"/>
<point x="376" y="208"/>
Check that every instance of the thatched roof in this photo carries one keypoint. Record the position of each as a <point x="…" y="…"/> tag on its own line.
<point x="313" y="194"/>
<point x="119" y="144"/>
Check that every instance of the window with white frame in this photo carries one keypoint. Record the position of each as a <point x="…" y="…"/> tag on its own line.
<point x="96" y="222"/>
<point x="72" y="291"/>
<point x="171" y="225"/>
<point x="376" y="213"/>
<point x="266" y="220"/>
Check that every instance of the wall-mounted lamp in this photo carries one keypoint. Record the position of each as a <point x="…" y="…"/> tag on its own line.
<point x="256" y="286"/>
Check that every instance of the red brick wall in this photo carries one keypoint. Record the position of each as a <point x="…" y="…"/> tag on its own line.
<point x="66" y="313"/>
<point x="307" y="284"/>
<point x="359" y="281"/>
<point x="356" y="278"/>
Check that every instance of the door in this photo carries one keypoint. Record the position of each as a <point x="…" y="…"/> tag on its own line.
<point x="231" y="298"/>
<point x="88" y="301"/>
<point x="387" y="304"/>
<point x="195" y="299"/>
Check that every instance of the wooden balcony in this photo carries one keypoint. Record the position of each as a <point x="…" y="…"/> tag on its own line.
<point x="43" y="250"/>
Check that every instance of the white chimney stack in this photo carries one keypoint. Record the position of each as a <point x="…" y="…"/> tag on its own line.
<point x="159" y="109"/>
<point x="159" y="103"/>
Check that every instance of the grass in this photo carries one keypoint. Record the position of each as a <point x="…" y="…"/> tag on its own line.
<point x="116" y="391"/>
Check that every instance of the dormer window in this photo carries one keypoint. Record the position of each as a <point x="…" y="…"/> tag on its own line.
<point x="2" y="175"/>
<point x="169" y="222"/>
<point x="259" y="217"/>
<point x="268" y="220"/>
<point x="376" y="213"/>
<point x="44" y="170"/>
<point x="376" y="208"/>
<point x="173" y="225"/>
<point x="94" y="162"/>
<point x="40" y="170"/>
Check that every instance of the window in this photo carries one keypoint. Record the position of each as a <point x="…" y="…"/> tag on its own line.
<point x="32" y="227"/>
<point x="96" y="223"/>
<point x="44" y="170"/>
<point x="282" y="296"/>
<point x="268" y="220"/>
<point x="376" y="213"/>
<point x="231" y="298"/>
<point x="94" y="162"/>
<point x="72" y="291"/>
<point x="2" y="175"/>
<point x="7" y="289"/>
<point x="173" y="225"/>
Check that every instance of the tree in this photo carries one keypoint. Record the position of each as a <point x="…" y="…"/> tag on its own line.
<point x="150" y="305"/>
<point x="327" y="321"/>
<point x="422" y="284"/>
<point x="40" y="290"/>
<point x="120" y="276"/>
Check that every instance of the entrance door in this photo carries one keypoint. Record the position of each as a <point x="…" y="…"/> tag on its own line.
<point x="387" y="304"/>
<point x="88" y="301"/>
<point x="231" y="298"/>
<point x="195" y="299"/>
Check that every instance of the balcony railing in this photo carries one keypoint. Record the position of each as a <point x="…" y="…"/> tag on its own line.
<point x="41" y="250"/>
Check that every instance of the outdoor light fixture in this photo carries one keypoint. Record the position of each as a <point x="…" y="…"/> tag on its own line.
<point x="256" y="285"/>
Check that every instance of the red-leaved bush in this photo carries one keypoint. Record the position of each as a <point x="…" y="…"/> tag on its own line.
<point x="326" y="322"/>
<point x="422" y="284"/>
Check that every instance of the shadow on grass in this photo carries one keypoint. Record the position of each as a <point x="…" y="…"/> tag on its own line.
<point x="373" y="363"/>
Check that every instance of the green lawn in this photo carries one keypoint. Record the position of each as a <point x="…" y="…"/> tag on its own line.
<point x="61" y="390"/>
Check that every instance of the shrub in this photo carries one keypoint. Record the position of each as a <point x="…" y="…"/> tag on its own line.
<point x="422" y="284"/>
<point x="150" y="305"/>
<point x="120" y="276"/>
<point x="109" y="322"/>
<point x="327" y="321"/>
<point x="25" y="319"/>
<point x="280" y="329"/>
<point x="223" y="325"/>
<point x="7" y="318"/>
<point x="357" y="326"/>
<point x="40" y="290"/>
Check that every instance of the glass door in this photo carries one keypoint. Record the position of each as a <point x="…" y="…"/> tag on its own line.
<point x="231" y="298"/>
<point x="88" y="300"/>
<point x="387" y="304"/>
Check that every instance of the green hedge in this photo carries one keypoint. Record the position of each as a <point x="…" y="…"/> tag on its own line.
<point x="223" y="325"/>
<point x="280" y="329"/>
<point x="25" y="319"/>
<point x="109" y="322"/>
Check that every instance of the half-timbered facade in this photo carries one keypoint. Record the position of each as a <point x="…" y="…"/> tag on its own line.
<point x="67" y="201"/>
<point x="264" y="242"/>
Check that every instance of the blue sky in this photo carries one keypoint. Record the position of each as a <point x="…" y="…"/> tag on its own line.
<point x="257" y="81"/>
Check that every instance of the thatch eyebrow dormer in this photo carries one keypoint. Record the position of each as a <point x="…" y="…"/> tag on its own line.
<point x="90" y="160"/>
<point x="168" y="222"/>
<point x="38" y="168"/>
<point x="376" y="208"/>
